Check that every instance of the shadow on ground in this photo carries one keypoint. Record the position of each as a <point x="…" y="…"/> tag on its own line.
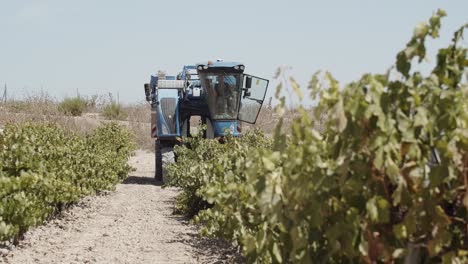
<point x="215" y="250"/>
<point x="142" y="180"/>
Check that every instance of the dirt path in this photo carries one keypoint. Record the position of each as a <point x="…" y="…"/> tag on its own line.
<point x="134" y="224"/>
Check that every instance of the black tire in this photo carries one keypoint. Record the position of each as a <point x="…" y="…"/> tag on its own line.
<point x="159" y="165"/>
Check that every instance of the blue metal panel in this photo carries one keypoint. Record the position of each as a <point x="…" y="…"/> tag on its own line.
<point x="221" y="128"/>
<point x="168" y="93"/>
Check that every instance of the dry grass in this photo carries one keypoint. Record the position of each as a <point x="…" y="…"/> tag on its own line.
<point x="39" y="107"/>
<point x="268" y="119"/>
<point x="141" y="132"/>
<point x="139" y="112"/>
<point x="40" y="104"/>
<point x="80" y="125"/>
<point x="139" y="122"/>
<point x="42" y="108"/>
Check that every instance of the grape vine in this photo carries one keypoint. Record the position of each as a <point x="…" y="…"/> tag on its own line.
<point x="385" y="179"/>
<point x="44" y="168"/>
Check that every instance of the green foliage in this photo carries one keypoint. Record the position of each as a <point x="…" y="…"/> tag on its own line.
<point x="200" y="161"/>
<point x="73" y="106"/>
<point x="44" y="167"/>
<point x="385" y="180"/>
<point x="114" y="111"/>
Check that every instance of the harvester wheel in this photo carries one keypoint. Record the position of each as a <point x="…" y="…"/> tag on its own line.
<point x="159" y="164"/>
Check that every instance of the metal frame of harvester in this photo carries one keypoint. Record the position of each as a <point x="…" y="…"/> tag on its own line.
<point x="218" y="92"/>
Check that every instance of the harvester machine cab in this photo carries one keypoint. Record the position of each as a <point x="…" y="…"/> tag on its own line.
<point x="219" y="93"/>
<point x="231" y="96"/>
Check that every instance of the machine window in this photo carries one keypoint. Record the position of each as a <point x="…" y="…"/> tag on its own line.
<point x="223" y="93"/>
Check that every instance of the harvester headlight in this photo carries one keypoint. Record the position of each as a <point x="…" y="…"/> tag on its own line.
<point x="236" y="67"/>
<point x="205" y="67"/>
<point x="200" y="67"/>
<point x="242" y="67"/>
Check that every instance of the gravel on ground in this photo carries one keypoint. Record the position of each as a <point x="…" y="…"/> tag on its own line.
<point x="134" y="224"/>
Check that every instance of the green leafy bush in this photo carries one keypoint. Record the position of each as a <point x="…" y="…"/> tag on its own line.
<point x="201" y="161"/>
<point x="73" y="106"/>
<point x="114" y="111"/>
<point x="386" y="179"/>
<point x="44" y="167"/>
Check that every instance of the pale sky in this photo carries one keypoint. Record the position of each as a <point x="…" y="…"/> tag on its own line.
<point x="102" y="46"/>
